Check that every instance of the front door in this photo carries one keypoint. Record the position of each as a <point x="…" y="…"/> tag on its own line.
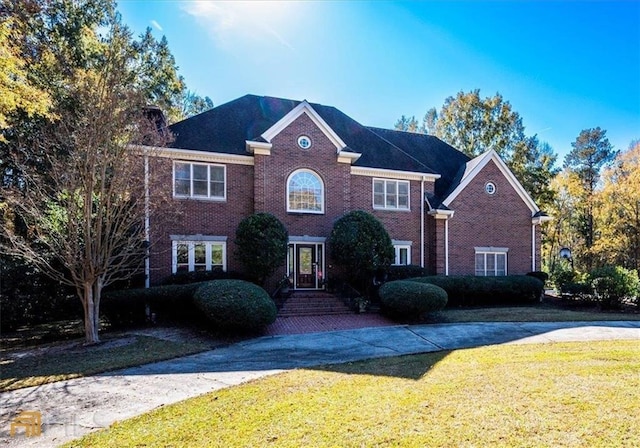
<point x="306" y="266"/>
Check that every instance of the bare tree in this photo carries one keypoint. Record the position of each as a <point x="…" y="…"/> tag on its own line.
<point x="83" y="219"/>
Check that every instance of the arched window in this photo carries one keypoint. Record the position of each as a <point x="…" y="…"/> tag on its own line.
<point x="305" y="192"/>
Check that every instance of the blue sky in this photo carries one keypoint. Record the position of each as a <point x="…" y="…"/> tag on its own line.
<point x="564" y="66"/>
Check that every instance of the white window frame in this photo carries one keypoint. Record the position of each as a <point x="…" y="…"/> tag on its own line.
<point x="398" y="248"/>
<point x="397" y="183"/>
<point x="191" y="251"/>
<point x="494" y="252"/>
<point x="322" y="193"/>
<point x="191" y="194"/>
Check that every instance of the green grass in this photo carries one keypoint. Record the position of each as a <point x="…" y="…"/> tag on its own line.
<point x="55" y="362"/>
<point x="569" y="394"/>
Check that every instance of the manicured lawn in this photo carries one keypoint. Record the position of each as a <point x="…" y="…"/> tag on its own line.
<point x="570" y="394"/>
<point x="55" y="362"/>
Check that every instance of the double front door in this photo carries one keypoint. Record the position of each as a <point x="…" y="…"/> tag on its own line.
<point x="306" y="265"/>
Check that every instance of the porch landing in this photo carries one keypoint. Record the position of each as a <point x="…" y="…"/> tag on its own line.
<point x="316" y="311"/>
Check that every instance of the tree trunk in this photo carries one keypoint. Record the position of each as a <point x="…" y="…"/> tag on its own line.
<point x="91" y="313"/>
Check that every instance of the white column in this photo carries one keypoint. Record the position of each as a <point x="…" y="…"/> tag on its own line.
<point x="533" y="247"/>
<point x="422" y="223"/>
<point x="446" y="247"/>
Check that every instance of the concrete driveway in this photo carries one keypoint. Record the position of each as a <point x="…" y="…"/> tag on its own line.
<point x="75" y="407"/>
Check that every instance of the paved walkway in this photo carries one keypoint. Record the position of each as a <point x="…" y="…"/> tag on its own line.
<point x="75" y="407"/>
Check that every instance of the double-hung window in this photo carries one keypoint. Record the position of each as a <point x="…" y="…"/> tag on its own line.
<point x="390" y="194"/>
<point x="199" y="256"/>
<point x="199" y="180"/>
<point x="402" y="253"/>
<point x="491" y="261"/>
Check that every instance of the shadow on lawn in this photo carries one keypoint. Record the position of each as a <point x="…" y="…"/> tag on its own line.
<point x="411" y="367"/>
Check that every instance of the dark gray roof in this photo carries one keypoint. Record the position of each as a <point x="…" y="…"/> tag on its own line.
<point x="226" y="129"/>
<point x="443" y="158"/>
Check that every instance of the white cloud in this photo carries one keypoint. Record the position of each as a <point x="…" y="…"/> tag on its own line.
<point x="226" y="20"/>
<point x="156" y="25"/>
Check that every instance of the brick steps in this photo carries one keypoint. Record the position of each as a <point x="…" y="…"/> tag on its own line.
<point x="313" y="303"/>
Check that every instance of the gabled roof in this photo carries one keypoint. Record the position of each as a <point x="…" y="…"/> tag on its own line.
<point x="474" y="166"/>
<point x="229" y="128"/>
<point x="432" y="152"/>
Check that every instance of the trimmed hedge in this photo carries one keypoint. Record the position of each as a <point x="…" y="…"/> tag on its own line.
<point x="235" y="305"/>
<point x="403" y="298"/>
<point x="184" y="278"/>
<point x="480" y="291"/>
<point x="127" y="307"/>
<point x="404" y="272"/>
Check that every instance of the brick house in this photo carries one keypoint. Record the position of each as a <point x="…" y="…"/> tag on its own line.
<point x="308" y="164"/>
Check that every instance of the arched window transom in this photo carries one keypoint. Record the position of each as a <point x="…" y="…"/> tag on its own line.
<point x="305" y="192"/>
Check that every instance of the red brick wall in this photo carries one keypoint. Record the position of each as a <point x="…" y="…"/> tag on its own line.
<point x="198" y="216"/>
<point x="401" y="225"/>
<point x="286" y="157"/>
<point x="498" y="220"/>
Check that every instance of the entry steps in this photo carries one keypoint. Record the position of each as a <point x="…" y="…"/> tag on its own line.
<point x="313" y="303"/>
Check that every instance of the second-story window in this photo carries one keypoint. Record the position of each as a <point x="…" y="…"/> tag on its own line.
<point x="199" y="180"/>
<point x="305" y="192"/>
<point x="390" y="194"/>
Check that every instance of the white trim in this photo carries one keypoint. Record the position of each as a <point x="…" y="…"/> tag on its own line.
<point x="474" y="166"/>
<point x="348" y="157"/>
<point x="392" y="174"/>
<point x="441" y="214"/>
<point x="422" y="224"/>
<point x="191" y="252"/>
<point x="385" y="207"/>
<point x="304" y="108"/>
<point x="533" y="247"/>
<point x="397" y="247"/>
<point x="316" y="242"/>
<point x="259" y="148"/>
<point x="307" y="239"/>
<point x="541" y="219"/>
<point x="198" y="237"/>
<point x="492" y="251"/>
<point x="446" y="247"/>
<point x="198" y="156"/>
<point x="322" y="205"/>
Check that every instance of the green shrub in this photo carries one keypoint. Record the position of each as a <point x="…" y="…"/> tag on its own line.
<point x="614" y="284"/>
<point x="540" y="275"/>
<point x="184" y="278"/>
<point x="261" y="242"/>
<point x="405" y="272"/>
<point x="408" y="299"/>
<point x="481" y="291"/>
<point x="360" y="244"/>
<point x="235" y="305"/>
<point x="128" y="307"/>
<point x="28" y="297"/>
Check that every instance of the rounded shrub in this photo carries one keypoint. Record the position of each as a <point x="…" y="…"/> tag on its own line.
<point x="402" y="298"/>
<point x="361" y="245"/>
<point x="614" y="284"/>
<point x="261" y="242"/>
<point x="235" y="305"/>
